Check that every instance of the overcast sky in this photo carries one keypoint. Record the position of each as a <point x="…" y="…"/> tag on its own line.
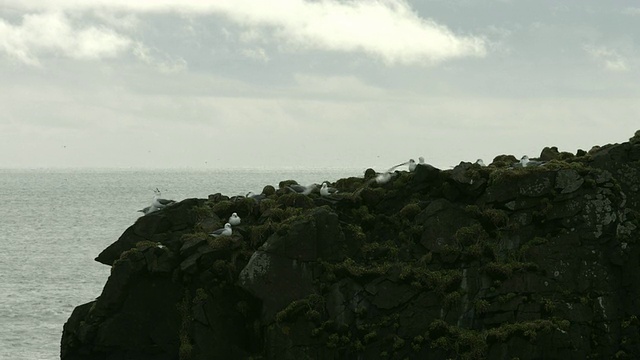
<point x="322" y="83"/>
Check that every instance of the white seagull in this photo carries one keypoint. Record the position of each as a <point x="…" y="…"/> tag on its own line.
<point x="480" y="162"/>
<point x="325" y="190"/>
<point x="234" y="219"/>
<point x="524" y="162"/>
<point x="157" y="203"/>
<point x="224" y="231"/>
<point x="387" y="175"/>
<point x="412" y="165"/>
<point x="258" y="198"/>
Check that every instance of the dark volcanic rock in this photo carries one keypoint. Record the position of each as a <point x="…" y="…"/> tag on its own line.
<point x="470" y="263"/>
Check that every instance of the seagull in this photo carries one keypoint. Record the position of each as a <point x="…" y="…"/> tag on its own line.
<point x="387" y="175"/>
<point x="421" y="161"/>
<point x="159" y="203"/>
<point x="325" y="190"/>
<point x="412" y="165"/>
<point x="258" y="198"/>
<point x="480" y="162"/>
<point x="304" y="190"/>
<point x="234" y="219"/>
<point x="524" y="162"/>
<point x="224" y="231"/>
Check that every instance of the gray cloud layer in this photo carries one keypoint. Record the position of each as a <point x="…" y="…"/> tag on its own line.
<point x="310" y="83"/>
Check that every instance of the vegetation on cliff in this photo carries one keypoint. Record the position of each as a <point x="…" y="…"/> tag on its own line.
<point x="471" y="263"/>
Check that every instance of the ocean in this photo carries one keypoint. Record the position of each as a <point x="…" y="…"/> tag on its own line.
<point x="53" y="223"/>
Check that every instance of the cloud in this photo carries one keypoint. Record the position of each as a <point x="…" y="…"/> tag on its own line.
<point x="633" y="11"/>
<point x="388" y="30"/>
<point x="53" y="33"/>
<point x="155" y="58"/>
<point x="610" y="59"/>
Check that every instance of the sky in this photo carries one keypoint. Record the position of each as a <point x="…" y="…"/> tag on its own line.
<point x="208" y="84"/>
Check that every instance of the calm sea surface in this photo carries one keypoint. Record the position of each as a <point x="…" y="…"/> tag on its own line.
<point x="53" y="223"/>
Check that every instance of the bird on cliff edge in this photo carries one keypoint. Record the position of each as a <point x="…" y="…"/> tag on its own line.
<point x="304" y="190"/>
<point x="257" y="198"/>
<point x="225" y="231"/>
<point x="525" y="162"/>
<point x="325" y="190"/>
<point x="157" y="203"/>
<point x="412" y="165"/>
<point x="387" y="175"/>
<point x="234" y="219"/>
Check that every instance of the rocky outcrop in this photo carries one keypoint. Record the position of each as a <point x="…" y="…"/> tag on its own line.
<point x="471" y="263"/>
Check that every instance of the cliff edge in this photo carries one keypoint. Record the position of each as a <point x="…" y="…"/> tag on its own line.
<point x="470" y="263"/>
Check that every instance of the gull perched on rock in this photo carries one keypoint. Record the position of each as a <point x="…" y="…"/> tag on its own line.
<point x="325" y="190"/>
<point x="226" y="230"/>
<point x="412" y="165"/>
<point x="524" y="162"/>
<point x="258" y="197"/>
<point x="480" y="162"/>
<point x="387" y="175"/>
<point x="157" y="203"/>
<point x="304" y="190"/>
<point x="234" y="219"/>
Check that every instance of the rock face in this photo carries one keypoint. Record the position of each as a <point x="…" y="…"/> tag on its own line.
<point x="470" y="263"/>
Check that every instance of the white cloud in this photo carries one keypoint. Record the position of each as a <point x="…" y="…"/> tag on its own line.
<point x="633" y="11"/>
<point x="154" y="57"/>
<point x="610" y="59"/>
<point x="258" y="54"/>
<point x="53" y="33"/>
<point x="385" y="29"/>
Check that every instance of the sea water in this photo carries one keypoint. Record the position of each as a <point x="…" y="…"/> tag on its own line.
<point x="53" y="223"/>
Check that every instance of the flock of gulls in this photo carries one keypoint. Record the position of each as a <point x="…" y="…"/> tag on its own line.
<point x="158" y="203"/>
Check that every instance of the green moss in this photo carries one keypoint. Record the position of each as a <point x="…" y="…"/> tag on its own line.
<point x="222" y="208"/>
<point x="355" y="232"/>
<point x="221" y="242"/>
<point x="350" y="267"/>
<point x="309" y="306"/>
<point x="145" y="244"/>
<point x="452" y="299"/>
<point x="370" y="337"/>
<point x="503" y="271"/>
<point x="469" y="235"/>
<point x="473" y="210"/>
<point x="201" y="296"/>
<point x="387" y="250"/>
<point x="296" y="200"/>
<point x="202" y="212"/>
<point x="267" y="204"/>
<point x="481" y="306"/>
<point x="527" y="329"/>
<point x="184" y="311"/>
<point x="548" y="305"/>
<point x="496" y="217"/>
<point x="197" y="235"/>
<point x="258" y="234"/>
<point x="398" y="343"/>
<point x="409" y="211"/>
<point x="333" y="341"/>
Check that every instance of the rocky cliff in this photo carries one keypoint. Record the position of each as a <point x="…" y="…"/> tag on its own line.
<point x="475" y="262"/>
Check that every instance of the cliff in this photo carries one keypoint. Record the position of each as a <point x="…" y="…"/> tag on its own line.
<point x="474" y="262"/>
